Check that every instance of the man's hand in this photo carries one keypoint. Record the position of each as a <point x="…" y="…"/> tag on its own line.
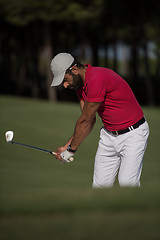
<point x="64" y="155"/>
<point x="59" y="151"/>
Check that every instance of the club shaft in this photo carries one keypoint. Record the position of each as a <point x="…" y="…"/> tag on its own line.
<point x="37" y="148"/>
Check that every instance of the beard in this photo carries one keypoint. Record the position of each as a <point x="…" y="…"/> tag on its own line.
<point x="77" y="82"/>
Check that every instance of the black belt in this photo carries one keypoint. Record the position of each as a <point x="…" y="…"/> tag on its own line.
<point x="136" y="125"/>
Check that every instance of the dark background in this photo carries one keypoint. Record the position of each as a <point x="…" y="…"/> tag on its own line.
<point x="121" y="35"/>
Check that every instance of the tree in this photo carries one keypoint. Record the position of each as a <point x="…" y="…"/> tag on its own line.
<point x="21" y="14"/>
<point x="128" y="21"/>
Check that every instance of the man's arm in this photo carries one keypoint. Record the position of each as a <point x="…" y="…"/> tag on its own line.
<point x="63" y="148"/>
<point x="84" y="124"/>
<point x="82" y="105"/>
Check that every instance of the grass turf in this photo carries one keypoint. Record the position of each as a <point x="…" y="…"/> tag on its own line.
<point x="41" y="198"/>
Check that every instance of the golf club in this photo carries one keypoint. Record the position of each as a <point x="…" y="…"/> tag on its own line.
<point x="9" y="137"/>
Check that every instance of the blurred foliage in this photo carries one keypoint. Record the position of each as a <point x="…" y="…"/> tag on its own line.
<point x="33" y="31"/>
<point x="19" y="12"/>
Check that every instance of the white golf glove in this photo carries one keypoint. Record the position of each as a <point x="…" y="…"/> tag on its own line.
<point x="67" y="156"/>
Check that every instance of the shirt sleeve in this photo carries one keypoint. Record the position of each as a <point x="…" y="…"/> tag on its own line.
<point x="96" y="89"/>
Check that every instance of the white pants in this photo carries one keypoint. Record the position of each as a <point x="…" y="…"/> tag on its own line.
<point x="123" y="153"/>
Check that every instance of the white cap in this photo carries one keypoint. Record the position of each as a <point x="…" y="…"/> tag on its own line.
<point x="59" y="64"/>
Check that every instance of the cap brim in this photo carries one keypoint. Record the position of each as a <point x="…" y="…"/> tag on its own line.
<point x="57" y="80"/>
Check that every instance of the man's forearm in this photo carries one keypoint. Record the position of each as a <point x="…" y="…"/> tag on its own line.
<point x="82" y="130"/>
<point x="85" y="123"/>
<point x="68" y="142"/>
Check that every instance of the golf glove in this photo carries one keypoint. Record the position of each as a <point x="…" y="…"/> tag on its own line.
<point x="67" y="156"/>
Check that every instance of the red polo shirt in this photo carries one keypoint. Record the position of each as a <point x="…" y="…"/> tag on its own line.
<point x="119" y="108"/>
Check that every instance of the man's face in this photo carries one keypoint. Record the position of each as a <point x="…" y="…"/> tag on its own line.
<point x="72" y="81"/>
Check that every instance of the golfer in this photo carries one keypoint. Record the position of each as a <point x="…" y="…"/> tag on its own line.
<point x="123" y="137"/>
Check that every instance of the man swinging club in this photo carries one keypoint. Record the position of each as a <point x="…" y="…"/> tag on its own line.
<point x="123" y="138"/>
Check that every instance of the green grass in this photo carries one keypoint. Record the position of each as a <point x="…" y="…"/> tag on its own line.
<point x="41" y="198"/>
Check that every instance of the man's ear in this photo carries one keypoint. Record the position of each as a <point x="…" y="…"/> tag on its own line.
<point x="75" y="70"/>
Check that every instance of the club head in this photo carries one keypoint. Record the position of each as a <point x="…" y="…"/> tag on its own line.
<point x="9" y="136"/>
